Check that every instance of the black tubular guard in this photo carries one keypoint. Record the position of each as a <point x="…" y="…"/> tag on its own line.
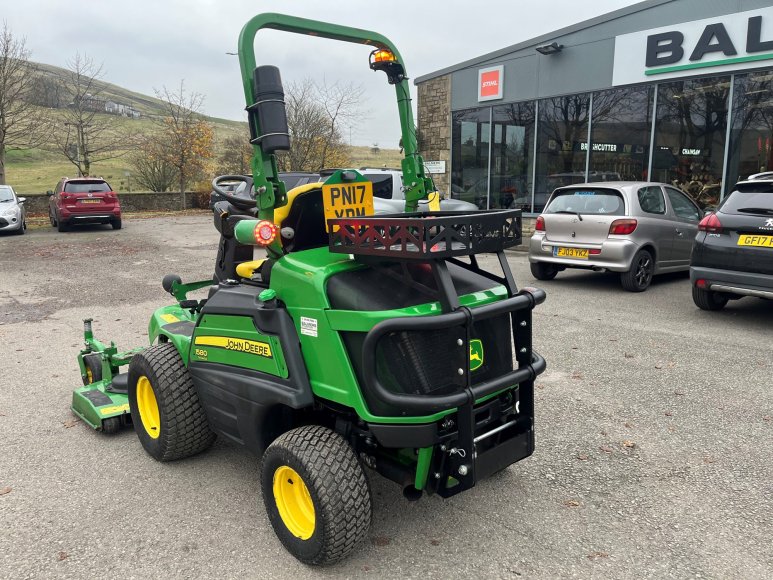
<point x="526" y="298"/>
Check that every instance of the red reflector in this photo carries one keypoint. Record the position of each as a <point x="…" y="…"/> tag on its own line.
<point x="594" y="252"/>
<point x="539" y="226"/>
<point x="265" y="233"/>
<point x="710" y="223"/>
<point x="701" y="283"/>
<point x="622" y="227"/>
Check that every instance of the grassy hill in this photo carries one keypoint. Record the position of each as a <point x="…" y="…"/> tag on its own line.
<point x="38" y="170"/>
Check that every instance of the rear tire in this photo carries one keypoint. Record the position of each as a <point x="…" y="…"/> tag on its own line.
<point x="542" y="271"/>
<point x="167" y="415"/>
<point x="116" y="224"/>
<point x="61" y="226"/>
<point x="708" y="300"/>
<point x="316" y="494"/>
<point x="639" y="277"/>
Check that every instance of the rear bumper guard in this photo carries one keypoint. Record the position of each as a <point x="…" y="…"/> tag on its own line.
<point x="472" y="454"/>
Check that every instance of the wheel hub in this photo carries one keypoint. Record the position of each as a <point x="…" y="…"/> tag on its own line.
<point x="148" y="407"/>
<point x="294" y="503"/>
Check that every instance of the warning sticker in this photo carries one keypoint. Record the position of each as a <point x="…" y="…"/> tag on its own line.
<point x="308" y="326"/>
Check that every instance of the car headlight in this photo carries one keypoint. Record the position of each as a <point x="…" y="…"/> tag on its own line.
<point x="12" y="210"/>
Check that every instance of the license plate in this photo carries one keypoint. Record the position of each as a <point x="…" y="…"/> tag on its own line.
<point x="575" y="253"/>
<point x="91" y="201"/>
<point x="750" y="240"/>
<point x="347" y="200"/>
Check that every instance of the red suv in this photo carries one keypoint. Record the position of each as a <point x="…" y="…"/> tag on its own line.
<point x="83" y="200"/>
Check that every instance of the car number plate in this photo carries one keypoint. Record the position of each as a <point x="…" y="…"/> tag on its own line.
<point x="347" y="200"/>
<point x="91" y="201"/>
<point x="576" y="253"/>
<point x="751" y="240"/>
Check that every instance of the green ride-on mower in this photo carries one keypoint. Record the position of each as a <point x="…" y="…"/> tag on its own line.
<point x="357" y="341"/>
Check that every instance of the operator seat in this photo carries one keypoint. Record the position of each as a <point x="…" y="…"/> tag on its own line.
<point x="304" y="214"/>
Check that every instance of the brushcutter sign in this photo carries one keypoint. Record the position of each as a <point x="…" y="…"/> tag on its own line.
<point x="347" y="200"/>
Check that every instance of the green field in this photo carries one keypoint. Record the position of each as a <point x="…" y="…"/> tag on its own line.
<point x="38" y="170"/>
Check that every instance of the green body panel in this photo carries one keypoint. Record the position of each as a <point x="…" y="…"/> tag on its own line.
<point x="422" y="467"/>
<point x="167" y="315"/>
<point x="300" y="281"/>
<point x="238" y="353"/>
<point x="94" y="415"/>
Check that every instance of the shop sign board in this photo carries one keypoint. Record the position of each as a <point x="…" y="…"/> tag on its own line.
<point x="490" y="83"/>
<point x="731" y="42"/>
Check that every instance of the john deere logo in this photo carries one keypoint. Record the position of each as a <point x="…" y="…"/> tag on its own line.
<point x="476" y="354"/>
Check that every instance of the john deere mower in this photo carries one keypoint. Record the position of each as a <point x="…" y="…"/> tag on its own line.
<point x="350" y="341"/>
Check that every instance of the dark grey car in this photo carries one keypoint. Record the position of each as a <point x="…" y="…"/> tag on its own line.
<point x="638" y="229"/>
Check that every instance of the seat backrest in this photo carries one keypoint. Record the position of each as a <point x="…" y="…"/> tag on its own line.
<point x="305" y="214"/>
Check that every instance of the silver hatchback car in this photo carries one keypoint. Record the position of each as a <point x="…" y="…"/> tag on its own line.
<point x="13" y="216"/>
<point x="638" y="229"/>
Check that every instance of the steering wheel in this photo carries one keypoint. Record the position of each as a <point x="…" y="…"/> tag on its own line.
<point x="244" y="198"/>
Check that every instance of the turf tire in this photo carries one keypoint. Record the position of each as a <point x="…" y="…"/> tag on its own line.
<point x="338" y="488"/>
<point x="639" y="277"/>
<point x="184" y="430"/>
<point x="542" y="271"/>
<point x="93" y="363"/>
<point x="708" y="300"/>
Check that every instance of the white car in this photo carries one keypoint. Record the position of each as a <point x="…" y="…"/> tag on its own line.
<point x="13" y="217"/>
<point x="389" y="193"/>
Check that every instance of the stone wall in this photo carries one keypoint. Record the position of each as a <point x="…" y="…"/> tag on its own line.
<point x="131" y="202"/>
<point x="434" y="124"/>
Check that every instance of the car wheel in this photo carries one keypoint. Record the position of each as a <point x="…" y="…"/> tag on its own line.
<point x="708" y="300"/>
<point x="316" y="494"/>
<point x="639" y="277"/>
<point x="51" y="218"/>
<point x="542" y="271"/>
<point x="61" y="226"/>
<point x="167" y="415"/>
<point x="22" y="229"/>
<point x="116" y="224"/>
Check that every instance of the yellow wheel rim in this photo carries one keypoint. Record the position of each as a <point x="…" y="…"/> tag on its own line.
<point x="89" y="376"/>
<point x="294" y="502"/>
<point x="148" y="407"/>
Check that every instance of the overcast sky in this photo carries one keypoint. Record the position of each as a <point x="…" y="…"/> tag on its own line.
<point x="146" y="44"/>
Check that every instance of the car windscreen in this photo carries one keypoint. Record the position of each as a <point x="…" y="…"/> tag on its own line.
<point x="382" y="185"/>
<point x="749" y="198"/>
<point x="6" y="194"/>
<point x="592" y="200"/>
<point x="86" y="187"/>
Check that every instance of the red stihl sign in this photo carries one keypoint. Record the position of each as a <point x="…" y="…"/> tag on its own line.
<point x="490" y="82"/>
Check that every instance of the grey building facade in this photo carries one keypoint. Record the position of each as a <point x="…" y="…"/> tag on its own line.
<point x="679" y="91"/>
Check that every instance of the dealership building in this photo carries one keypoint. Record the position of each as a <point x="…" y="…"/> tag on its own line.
<point x="677" y="91"/>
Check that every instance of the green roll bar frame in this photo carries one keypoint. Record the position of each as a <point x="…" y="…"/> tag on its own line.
<point x="269" y="188"/>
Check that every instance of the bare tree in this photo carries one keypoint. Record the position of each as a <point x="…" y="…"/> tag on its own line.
<point x="152" y="169"/>
<point x="236" y="155"/>
<point x="317" y="116"/>
<point x="89" y="134"/>
<point x="21" y="126"/>
<point x="185" y="138"/>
